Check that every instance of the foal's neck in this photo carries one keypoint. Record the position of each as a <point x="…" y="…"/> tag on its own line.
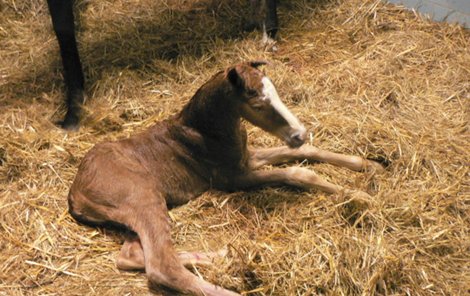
<point x="213" y="112"/>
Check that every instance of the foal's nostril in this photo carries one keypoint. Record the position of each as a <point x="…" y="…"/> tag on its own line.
<point x="297" y="139"/>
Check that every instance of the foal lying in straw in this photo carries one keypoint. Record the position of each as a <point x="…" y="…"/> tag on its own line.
<point x="133" y="182"/>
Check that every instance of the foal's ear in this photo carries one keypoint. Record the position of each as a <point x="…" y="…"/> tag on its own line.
<point x="234" y="78"/>
<point x="256" y="64"/>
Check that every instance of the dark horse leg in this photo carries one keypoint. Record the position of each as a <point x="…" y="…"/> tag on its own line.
<point x="264" y="16"/>
<point x="271" y="18"/>
<point x="63" y="22"/>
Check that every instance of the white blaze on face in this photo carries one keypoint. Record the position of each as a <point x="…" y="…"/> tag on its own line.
<point x="270" y="93"/>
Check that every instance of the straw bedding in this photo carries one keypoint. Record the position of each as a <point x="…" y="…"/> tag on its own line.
<point x="366" y="78"/>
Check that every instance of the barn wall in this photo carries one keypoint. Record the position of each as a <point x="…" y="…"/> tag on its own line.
<point x="452" y="11"/>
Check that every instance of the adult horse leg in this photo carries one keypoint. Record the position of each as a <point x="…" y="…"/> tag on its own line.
<point x="63" y="22"/>
<point x="131" y="256"/>
<point x="271" y="22"/>
<point x="284" y="154"/>
<point x="263" y="15"/>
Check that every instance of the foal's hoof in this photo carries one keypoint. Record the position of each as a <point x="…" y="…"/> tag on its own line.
<point x="355" y="207"/>
<point x="128" y="264"/>
<point x="355" y="202"/>
<point x="360" y="195"/>
<point x="201" y="259"/>
<point x="357" y="197"/>
<point x="373" y="166"/>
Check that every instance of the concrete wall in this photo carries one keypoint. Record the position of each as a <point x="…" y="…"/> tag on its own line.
<point x="452" y="11"/>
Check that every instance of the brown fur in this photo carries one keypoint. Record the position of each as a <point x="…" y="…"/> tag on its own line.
<point x="134" y="181"/>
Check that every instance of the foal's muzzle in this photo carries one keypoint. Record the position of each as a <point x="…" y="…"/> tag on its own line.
<point x="297" y="138"/>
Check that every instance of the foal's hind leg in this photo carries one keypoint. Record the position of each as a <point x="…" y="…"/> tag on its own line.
<point x="131" y="256"/>
<point x="147" y="216"/>
<point x="284" y="154"/>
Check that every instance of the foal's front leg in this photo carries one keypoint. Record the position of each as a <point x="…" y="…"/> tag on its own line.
<point x="293" y="176"/>
<point x="284" y="154"/>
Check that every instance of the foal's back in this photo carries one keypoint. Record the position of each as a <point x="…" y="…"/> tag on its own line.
<point x="163" y="159"/>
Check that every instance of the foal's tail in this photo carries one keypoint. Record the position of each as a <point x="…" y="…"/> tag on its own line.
<point x="162" y="264"/>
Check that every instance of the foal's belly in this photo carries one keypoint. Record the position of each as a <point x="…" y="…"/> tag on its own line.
<point x="181" y="194"/>
<point x="180" y="184"/>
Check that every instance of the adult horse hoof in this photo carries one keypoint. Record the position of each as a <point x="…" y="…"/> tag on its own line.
<point x="269" y="44"/>
<point x="71" y="122"/>
<point x="75" y="99"/>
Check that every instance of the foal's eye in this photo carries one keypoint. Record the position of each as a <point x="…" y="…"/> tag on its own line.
<point x="251" y="93"/>
<point x="257" y="107"/>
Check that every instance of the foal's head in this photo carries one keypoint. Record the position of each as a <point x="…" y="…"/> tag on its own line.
<point x="260" y="103"/>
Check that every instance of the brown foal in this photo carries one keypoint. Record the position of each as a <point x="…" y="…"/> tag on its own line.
<point x="133" y="182"/>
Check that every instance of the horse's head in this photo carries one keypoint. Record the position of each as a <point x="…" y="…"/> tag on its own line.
<point x="260" y="103"/>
